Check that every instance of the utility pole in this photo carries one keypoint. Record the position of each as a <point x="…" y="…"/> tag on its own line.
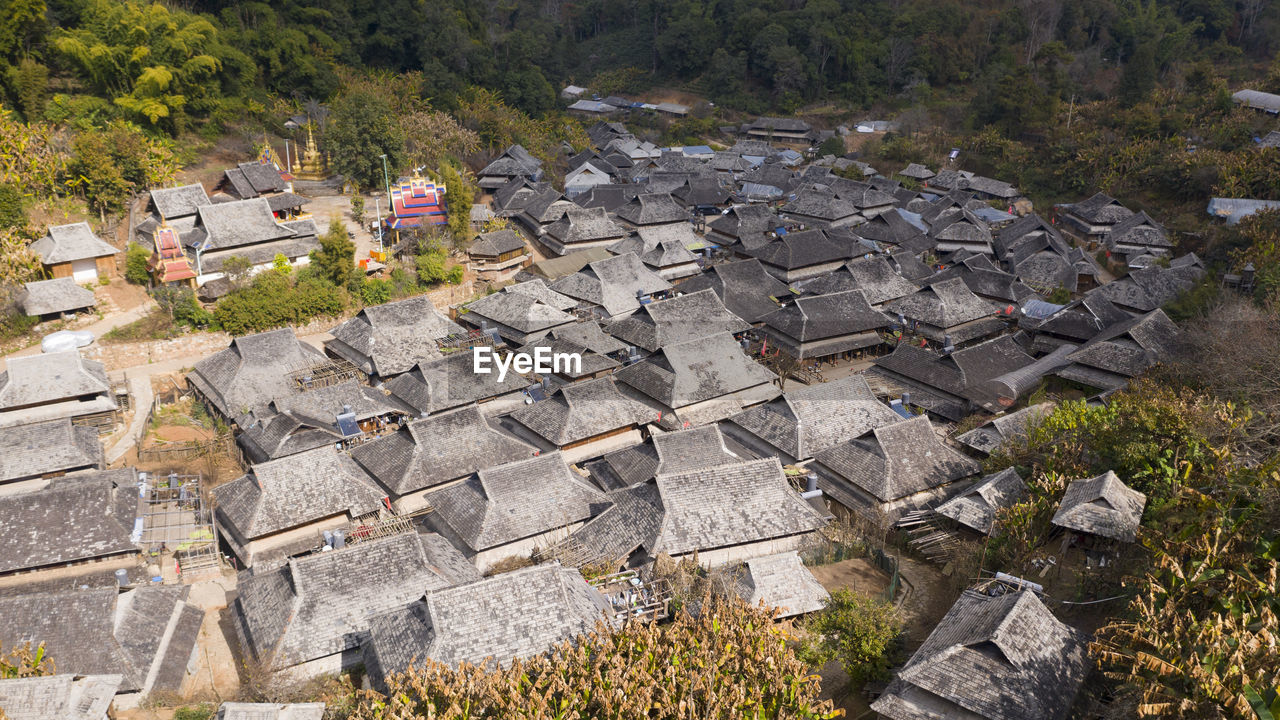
<point x="377" y="210"/>
<point x="1071" y="110"/>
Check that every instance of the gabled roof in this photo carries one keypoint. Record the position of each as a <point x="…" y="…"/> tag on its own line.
<point x="944" y="304"/>
<point x="889" y="227"/>
<point x="517" y="500"/>
<point x="1102" y="506"/>
<point x="580" y="411"/>
<point x="319" y="605"/>
<point x="820" y="204"/>
<point x="59" y="697"/>
<point x="690" y="372"/>
<point x="1003" y="657"/>
<point x="863" y="195"/>
<point x="48" y="378"/>
<point x="976" y="506"/>
<point x="672" y="452"/>
<point x="916" y="171"/>
<point x="517" y="310"/>
<point x="812" y="418"/>
<point x="294" y="491"/>
<point x="991" y="435"/>
<point x="66" y="243"/>
<point x="253" y="371"/>
<point x="963" y="369"/>
<point x="518" y="614"/>
<point x="239" y="223"/>
<point x="177" y="202"/>
<point x="515" y="160"/>
<point x="1140" y="230"/>
<point x="961" y="228"/>
<point x="145" y="635"/>
<point x="613" y="283"/>
<point x="878" y="281"/>
<point x="75" y="518"/>
<point x="59" y="295"/>
<point x="607" y="197"/>
<point x="781" y="581"/>
<point x="1099" y="209"/>
<point x="800" y="249"/>
<point x="435" y="450"/>
<point x="729" y="505"/>
<point x="581" y="225"/>
<point x="741" y="220"/>
<point x="1127" y="349"/>
<point x="388" y="339"/>
<point x="678" y="319"/>
<point x="496" y="243"/>
<point x="821" y="317"/>
<point x="744" y="287"/>
<point x="449" y="382"/>
<point x="46" y="448"/>
<point x="538" y="290"/>
<point x="898" y="460"/>
<point x="652" y="209"/>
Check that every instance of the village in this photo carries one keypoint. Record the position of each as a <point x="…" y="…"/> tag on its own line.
<point x="795" y="375"/>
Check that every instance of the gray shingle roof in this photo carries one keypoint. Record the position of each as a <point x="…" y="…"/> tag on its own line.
<point x="102" y="631"/>
<point x="583" y="225"/>
<point x="1139" y="230"/>
<point x="582" y="410"/>
<point x="690" y="372"/>
<point x="1102" y="506"/>
<point x="74" y="518"/>
<point x="293" y="491"/>
<point x="743" y="220"/>
<point x="388" y="339"/>
<point x="825" y="324"/>
<point x="812" y="418"/>
<point x="898" y="461"/>
<point x="538" y="290"/>
<point x="253" y="371"/>
<point x="1002" y="658"/>
<point x="48" y="447"/>
<point x="781" y="581"/>
<point x="613" y="283"/>
<point x="991" y="435"/>
<point x="1127" y="349"/>
<point x="522" y="312"/>
<point x="627" y="525"/>
<point x="678" y="319"/>
<point x="744" y="287"/>
<point x="48" y="378"/>
<point x="58" y="697"/>
<point x="800" y="249"/>
<point x="652" y="209"/>
<point x="517" y="500"/>
<point x="59" y="295"/>
<point x="513" y="615"/>
<point x="1100" y="209"/>
<point x="729" y="505"/>
<point x="493" y="244"/>
<point x="320" y="604"/>
<point x="435" y="450"/>
<point x="916" y="171"/>
<point x="241" y="222"/>
<point x="270" y="711"/>
<point x="976" y="506"/>
<point x="66" y="243"/>
<point x="960" y="371"/>
<point x="182" y="201"/>
<point x="944" y="304"/>
<point x="513" y="161"/>
<point x="878" y="280"/>
<point x="449" y="382"/>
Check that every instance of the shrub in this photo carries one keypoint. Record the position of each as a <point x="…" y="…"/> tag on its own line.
<point x="135" y="265"/>
<point x="182" y="306"/>
<point x="12" y="214"/>
<point x="454" y="274"/>
<point x="273" y="300"/>
<point x="857" y="631"/>
<point x="731" y="661"/>
<point x="375" y="291"/>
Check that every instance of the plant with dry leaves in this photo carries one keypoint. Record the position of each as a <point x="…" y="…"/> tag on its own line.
<point x="730" y="661"/>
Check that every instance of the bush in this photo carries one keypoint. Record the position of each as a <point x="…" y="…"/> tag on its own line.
<point x="375" y="291"/>
<point x="136" y="259"/>
<point x="731" y="661"/>
<point x="12" y="214"/>
<point x="857" y="631"/>
<point x="454" y="274"/>
<point x="273" y="300"/>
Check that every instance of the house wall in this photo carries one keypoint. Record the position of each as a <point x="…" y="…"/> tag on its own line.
<point x="63" y="571"/>
<point x="285" y="539"/>
<point x="803" y="273"/>
<point x="417" y="500"/>
<point x="318" y="667"/>
<point x="740" y="553"/>
<point x="486" y="559"/>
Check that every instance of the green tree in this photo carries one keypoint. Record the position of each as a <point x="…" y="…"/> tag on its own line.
<point x="137" y="260"/>
<point x="237" y="268"/>
<point x="357" y="209"/>
<point x="335" y="261"/>
<point x="96" y="172"/>
<point x="29" y="81"/>
<point x="12" y="213"/>
<point x="1139" y="75"/>
<point x="460" y="194"/>
<point x="856" y="630"/>
<point x="375" y="291"/>
<point x="361" y="128"/>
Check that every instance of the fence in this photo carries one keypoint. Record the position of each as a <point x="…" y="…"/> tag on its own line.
<point x="224" y="444"/>
<point x="832" y="551"/>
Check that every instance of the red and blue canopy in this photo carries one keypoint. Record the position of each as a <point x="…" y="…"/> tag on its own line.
<point x="416" y="201"/>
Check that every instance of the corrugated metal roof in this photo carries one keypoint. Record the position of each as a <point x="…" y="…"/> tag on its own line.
<point x="1233" y="209"/>
<point x="1258" y="100"/>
